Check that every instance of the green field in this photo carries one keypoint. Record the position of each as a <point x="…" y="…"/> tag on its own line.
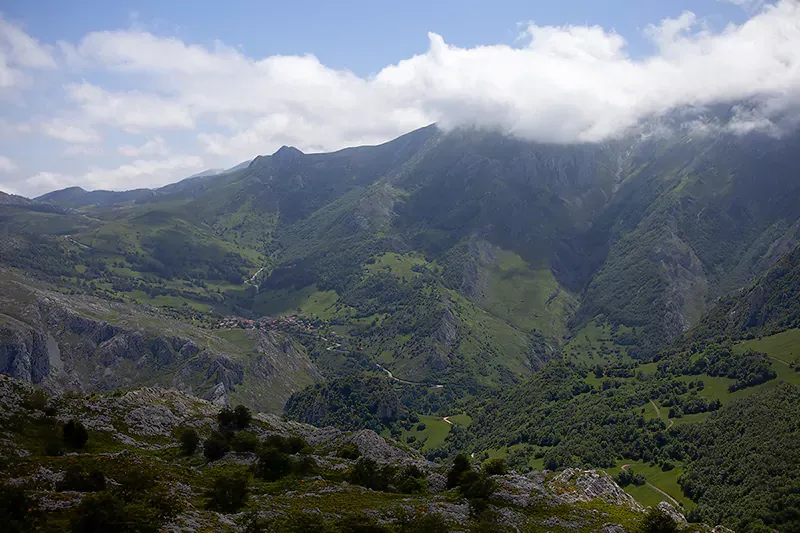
<point x="593" y="344"/>
<point x="436" y="430"/>
<point x="306" y="301"/>
<point x="526" y="297"/>
<point x="784" y="346"/>
<point x="398" y="265"/>
<point x="666" y="481"/>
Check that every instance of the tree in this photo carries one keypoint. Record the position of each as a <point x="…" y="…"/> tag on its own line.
<point x="410" y="480"/>
<point x="244" y="441"/>
<point x="461" y="464"/>
<point x="75" y="434"/>
<point x="273" y="464"/>
<point x="242" y="417"/>
<point x="657" y="521"/>
<point x="495" y="467"/>
<point x="216" y="446"/>
<point x="189" y="441"/>
<point x="226" y="418"/>
<point x="228" y="492"/>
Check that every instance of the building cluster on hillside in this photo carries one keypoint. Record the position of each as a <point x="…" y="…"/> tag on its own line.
<point x="281" y="323"/>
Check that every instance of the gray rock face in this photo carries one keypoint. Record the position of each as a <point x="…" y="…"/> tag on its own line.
<point x="522" y="491"/>
<point x="673" y="513"/>
<point x="575" y="485"/>
<point x="23" y="351"/>
<point x="152" y="420"/>
<point x="58" y="343"/>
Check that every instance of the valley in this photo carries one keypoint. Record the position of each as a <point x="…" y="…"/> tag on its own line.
<point x="455" y="292"/>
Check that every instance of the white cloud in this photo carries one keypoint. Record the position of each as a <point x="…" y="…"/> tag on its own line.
<point x="142" y="173"/>
<point x="11" y="129"/>
<point x="139" y="173"/>
<point x="132" y="110"/>
<point x="20" y="52"/>
<point x="746" y="4"/>
<point x="567" y="84"/>
<point x="83" y="150"/>
<point x="7" y="165"/>
<point x="561" y="84"/>
<point x="155" y="146"/>
<point x="71" y="133"/>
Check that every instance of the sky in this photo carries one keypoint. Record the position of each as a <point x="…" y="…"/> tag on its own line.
<point x="116" y="95"/>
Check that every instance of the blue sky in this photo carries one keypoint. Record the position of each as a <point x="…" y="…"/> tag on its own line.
<point x="362" y="36"/>
<point x="120" y="95"/>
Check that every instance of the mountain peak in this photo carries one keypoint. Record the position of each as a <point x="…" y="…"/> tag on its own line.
<point x="286" y="155"/>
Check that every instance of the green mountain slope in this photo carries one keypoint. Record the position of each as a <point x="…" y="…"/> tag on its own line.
<point x="507" y="250"/>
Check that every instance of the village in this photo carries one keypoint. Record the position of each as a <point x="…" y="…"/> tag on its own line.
<point x="282" y="323"/>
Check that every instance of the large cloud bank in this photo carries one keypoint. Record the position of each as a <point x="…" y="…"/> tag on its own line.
<point x="215" y="104"/>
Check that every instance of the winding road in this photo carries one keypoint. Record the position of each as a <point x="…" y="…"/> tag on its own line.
<point x="391" y="376"/>
<point x="252" y="282"/>
<point x="658" y="414"/>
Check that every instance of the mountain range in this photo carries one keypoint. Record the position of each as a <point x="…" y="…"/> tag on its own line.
<point x="564" y="298"/>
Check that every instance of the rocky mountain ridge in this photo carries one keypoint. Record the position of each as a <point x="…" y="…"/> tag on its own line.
<point x="72" y="343"/>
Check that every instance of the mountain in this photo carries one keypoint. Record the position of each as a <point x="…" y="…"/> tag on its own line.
<point x="131" y="467"/>
<point x="64" y="342"/>
<point x="587" y="306"/>
<point x="497" y="251"/>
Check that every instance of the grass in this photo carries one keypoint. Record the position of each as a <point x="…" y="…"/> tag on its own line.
<point x="666" y="481"/>
<point x="527" y="297"/>
<point x="784" y="346"/>
<point x="308" y="300"/>
<point x="434" y="434"/>
<point x="398" y="265"/>
<point x="783" y="349"/>
<point x="593" y="344"/>
<point x="460" y="420"/>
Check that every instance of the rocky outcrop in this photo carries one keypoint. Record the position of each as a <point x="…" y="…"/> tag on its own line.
<point x="23" y="351"/>
<point x="575" y="485"/>
<point x="59" y="343"/>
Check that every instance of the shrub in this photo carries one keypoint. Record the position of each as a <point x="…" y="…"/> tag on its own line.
<point x="18" y="512"/>
<point x="242" y="417"/>
<point x="216" y="446"/>
<point x="303" y="465"/>
<point x="244" y="441"/>
<point x="77" y="479"/>
<point x="476" y="485"/>
<point x="273" y="464"/>
<point x="349" y="451"/>
<point x="360" y="523"/>
<point x="228" y="492"/>
<point x="189" y="441"/>
<point x="53" y="444"/>
<point x="75" y="434"/>
<point x="495" y="467"/>
<point x="104" y="511"/>
<point x="657" y="521"/>
<point x="37" y="401"/>
<point x="290" y="445"/>
<point x="461" y="464"/>
<point x="410" y="480"/>
<point x="226" y="418"/>
<point x="367" y="473"/>
<point x="421" y="426"/>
